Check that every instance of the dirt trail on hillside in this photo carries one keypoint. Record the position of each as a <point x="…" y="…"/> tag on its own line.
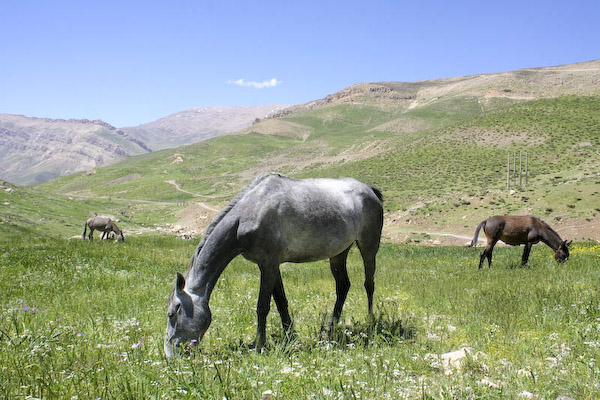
<point x="200" y="203"/>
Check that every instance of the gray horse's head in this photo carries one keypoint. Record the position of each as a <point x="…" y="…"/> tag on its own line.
<point x="120" y="237"/>
<point x="188" y="318"/>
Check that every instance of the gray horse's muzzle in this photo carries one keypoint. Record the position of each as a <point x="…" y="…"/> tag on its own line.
<point x="171" y="347"/>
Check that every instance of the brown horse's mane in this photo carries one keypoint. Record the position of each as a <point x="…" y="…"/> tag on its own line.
<point x="551" y="231"/>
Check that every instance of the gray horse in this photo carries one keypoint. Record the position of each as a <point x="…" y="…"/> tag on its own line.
<point x="104" y="225"/>
<point x="274" y="220"/>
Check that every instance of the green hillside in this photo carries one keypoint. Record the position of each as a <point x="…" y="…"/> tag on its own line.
<point x="437" y="149"/>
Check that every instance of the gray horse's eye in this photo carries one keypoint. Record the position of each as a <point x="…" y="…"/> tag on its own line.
<point x="172" y="313"/>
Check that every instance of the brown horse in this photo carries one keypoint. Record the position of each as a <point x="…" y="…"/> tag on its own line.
<point x="104" y="225"/>
<point x="517" y="230"/>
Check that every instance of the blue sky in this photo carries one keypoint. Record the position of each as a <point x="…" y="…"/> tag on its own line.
<point x="131" y="62"/>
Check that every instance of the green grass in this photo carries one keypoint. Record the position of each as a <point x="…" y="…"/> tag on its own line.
<point x="87" y="319"/>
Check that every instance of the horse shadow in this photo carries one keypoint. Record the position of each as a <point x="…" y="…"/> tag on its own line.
<point x="382" y="327"/>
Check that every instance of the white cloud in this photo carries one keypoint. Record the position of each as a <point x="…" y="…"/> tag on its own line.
<point x="258" y="85"/>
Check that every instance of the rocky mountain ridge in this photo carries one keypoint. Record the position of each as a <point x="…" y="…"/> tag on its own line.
<point x="198" y="124"/>
<point x="523" y="84"/>
<point x="34" y="150"/>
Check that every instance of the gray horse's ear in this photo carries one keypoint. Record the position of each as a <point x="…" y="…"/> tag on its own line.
<point x="569" y="243"/>
<point x="180" y="283"/>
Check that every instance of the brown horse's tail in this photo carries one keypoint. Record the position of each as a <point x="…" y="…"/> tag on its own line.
<point x="84" y="231"/>
<point x="474" y="241"/>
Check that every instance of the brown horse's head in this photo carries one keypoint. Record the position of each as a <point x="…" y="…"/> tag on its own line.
<point x="562" y="253"/>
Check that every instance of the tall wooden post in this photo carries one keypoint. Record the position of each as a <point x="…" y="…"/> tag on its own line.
<point x="526" y="171"/>
<point x="508" y="171"/>
<point x="515" y="168"/>
<point x="520" y="168"/>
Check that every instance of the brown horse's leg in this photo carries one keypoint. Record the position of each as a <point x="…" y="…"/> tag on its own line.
<point x="526" y="252"/>
<point x="282" y="304"/>
<point x="481" y="258"/>
<point x="268" y="279"/>
<point x="342" y="284"/>
<point x="487" y="253"/>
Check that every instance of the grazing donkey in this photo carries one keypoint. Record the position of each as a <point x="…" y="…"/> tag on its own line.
<point x="104" y="225"/>
<point x="274" y="220"/>
<point x="517" y="230"/>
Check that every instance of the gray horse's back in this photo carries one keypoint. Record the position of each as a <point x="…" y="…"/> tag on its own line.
<point x="309" y="219"/>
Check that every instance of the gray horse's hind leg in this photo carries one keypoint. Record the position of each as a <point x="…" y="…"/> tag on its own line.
<point x="342" y="284"/>
<point x="368" y="252"/>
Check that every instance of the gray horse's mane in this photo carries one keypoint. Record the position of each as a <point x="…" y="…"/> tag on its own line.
<point x="211" y="227"/>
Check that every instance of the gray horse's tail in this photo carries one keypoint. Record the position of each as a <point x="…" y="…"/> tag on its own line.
<point x="377" y="193"/>
<point x="474" y="241"/>
<point x="84" y="231"/>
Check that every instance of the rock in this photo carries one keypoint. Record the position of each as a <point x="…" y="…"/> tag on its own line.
<point x="488" y="382"/>
<point x="452" y="360"/>
<point x="267" y="395"/>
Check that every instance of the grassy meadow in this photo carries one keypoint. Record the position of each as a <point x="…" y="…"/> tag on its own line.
<point x="87" y="319"/>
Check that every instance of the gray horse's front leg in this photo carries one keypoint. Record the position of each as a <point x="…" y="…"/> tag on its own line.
<point x="268" y="279"/>
<point x="282" y="306"/>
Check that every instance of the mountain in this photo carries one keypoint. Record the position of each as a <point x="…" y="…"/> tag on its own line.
<point x="34" y="150"/>
<point x="484" y="92"/>
<point x="198" y="124"/>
